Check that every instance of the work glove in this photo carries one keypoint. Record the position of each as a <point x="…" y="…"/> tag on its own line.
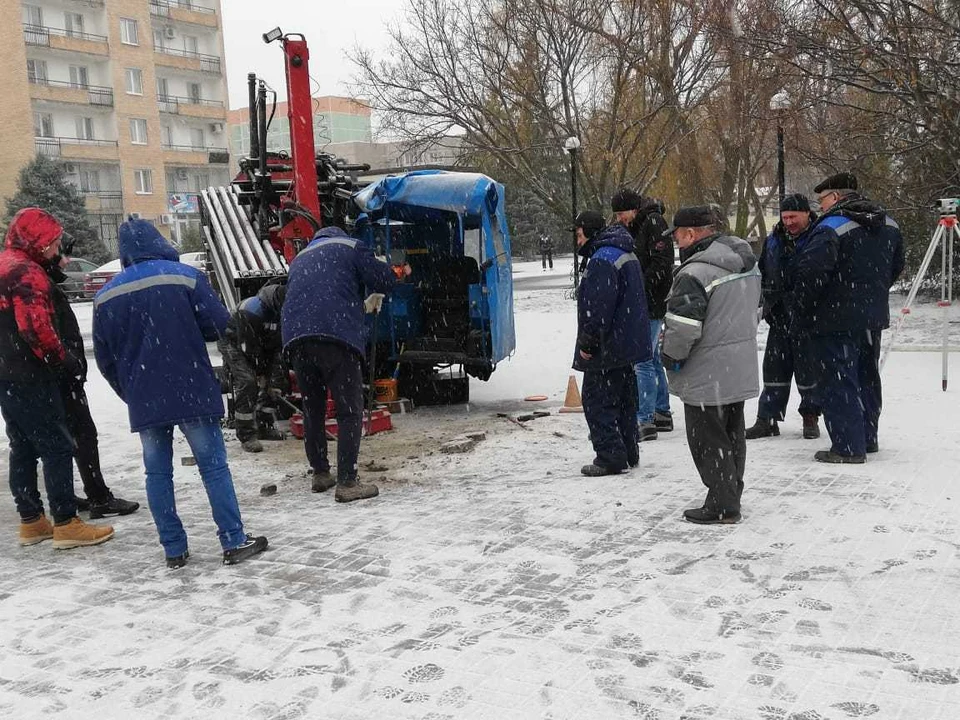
<point x="373" y="303"/>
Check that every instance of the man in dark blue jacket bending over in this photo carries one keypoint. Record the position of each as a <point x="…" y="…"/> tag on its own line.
<point x="842" y="299"/>
<point x="324" y="337"/>
<point x="613" y="334"/>
<point x="151" y="324"/>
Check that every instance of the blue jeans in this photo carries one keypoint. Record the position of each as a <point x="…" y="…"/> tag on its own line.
<point x="37" y="429"/>
<point x="206" y="442"/>
<point x="652" y="380"/>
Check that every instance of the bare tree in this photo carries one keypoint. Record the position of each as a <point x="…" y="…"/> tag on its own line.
<point x="517" y="77"/>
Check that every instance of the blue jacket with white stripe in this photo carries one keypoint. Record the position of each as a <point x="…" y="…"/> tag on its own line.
<point x="151" y="324"/>
<point x="844" y="271"/>
<point x="326" y="287"/>
<point x="613" y="326"/>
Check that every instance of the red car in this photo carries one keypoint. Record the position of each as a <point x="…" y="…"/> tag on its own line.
<point x="96" y="279"/>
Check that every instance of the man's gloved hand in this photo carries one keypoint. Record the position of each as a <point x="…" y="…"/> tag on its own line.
<point x="373" y="303"/>
<point x="69" y="368"/>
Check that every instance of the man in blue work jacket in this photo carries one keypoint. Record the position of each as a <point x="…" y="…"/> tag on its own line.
<point x="841" y="298"/>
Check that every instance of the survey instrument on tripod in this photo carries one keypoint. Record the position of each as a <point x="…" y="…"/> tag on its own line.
<point x="943" y="238"/>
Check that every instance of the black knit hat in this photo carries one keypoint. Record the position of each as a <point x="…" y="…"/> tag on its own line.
<point x="840" y="181"/>
<point x="797" y="202"/>
<point x="625" y="199"/>
<point x="693" y="216"/>
<point x="591" y="222"/>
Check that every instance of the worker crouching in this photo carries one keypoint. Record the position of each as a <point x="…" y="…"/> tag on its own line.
<point x="251" y="349"/>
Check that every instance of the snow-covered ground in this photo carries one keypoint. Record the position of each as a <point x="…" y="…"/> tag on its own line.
<point x="501" y="584"/>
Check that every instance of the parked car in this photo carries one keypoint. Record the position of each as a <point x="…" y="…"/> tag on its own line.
<point x="96" y="279"/>
<point x="76" y="270"/>
<point x="195" y="259"/>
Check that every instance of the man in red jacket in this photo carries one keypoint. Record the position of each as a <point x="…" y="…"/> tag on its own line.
<point x="32" y="362"/>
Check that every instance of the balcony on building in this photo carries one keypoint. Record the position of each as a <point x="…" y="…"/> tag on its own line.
<point x="68" y="40"/>
<point x="103" y="201"/>
<point x="185" y="11"/>
<point x="193" y="107"/>
<point x="187" y="60"/>
<point x="72" y="148"/>
<point x="62" y="91"/>
<point x="192" y="155"/>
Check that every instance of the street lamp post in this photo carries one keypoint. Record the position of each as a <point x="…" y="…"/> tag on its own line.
<point x="572" y="145"/>
<point x="779" y="103"/>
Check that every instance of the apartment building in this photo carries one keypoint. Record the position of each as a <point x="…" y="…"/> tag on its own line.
<point x="130" y="95"/>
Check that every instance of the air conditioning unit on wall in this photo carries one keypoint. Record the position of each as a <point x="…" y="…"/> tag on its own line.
<point x="169" y="33"/>
<point x="216" y="127"/>
<point x="166" y="219"/>
<point x="181" y="174"/>
<point x="69" y="168"/>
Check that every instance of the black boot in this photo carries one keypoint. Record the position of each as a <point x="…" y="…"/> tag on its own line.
<point x="82" y="503"/>
<point x="112" y="506"/>
<point x="593" y="470"/>
<point x="663" y="421"/>
<point x="703" y="516"/>
<point x="247" y="549"/>
<point x="269" y="432"/>
<point x="178" y="561"/>
<point x="763" y="427"/>
<point x="648" y="431"/>
<point x="811" y="427"/>
<point x="829" y="456"/>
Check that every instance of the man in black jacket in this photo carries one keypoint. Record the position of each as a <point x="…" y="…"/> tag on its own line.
<point x="787" y="353"/>
<point x="86" y="451"/>
<point x="251" y="351"/>
<point x="643" y="217"/>
<point x="546" y="250"/>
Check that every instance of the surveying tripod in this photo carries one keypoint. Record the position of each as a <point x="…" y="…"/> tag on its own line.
<point x="946" y="231"/>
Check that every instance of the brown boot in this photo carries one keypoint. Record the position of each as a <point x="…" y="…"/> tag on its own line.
<point x="77" y="533"/>
<point x="36" y="531"/>
<point x="811" y="427"/>
<point x="356" y="491"/>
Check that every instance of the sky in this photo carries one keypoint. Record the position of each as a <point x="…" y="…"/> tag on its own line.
<point x="333" y="29"/>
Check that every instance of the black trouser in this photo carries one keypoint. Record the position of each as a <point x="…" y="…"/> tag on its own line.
<point x="37" y="429"/>
<point x="86" y="451"/>
<point x="545" y="257"/>
<point x="715" y="434"/>
<point x="787" y="357"/>
<point x="610" y="408"/>
<point x="320" y="366"/>
<point x="251" y="404"/>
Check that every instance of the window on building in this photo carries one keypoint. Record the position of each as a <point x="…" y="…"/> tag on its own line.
<point x="73" y="23"/>
<point x="191" y="45"/>
<point x="43" y="124"/>
<point x="79" y="76"/>
<point x="89" y="181"/>
<point x="200" y="181"/>
<point x="37" y="71"/>
<point x="32" y="15"/>
<point x="134" y="81"/>
<point x="163" y="88"/>
<point x="84" y="128"/>
<point x="194" y="92"/>
<point x="129" y="35"/>
<point x="197" y="139"/>
<point x="158" y="42"/>
<point x="143" y="181"/>
<point x="138" y="131"/>
<point x="166" y="135"/>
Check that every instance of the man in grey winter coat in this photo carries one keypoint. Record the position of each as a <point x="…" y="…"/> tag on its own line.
<point x="710" y="352"/>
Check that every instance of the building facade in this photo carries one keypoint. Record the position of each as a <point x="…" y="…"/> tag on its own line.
<point x="130" y="95"/>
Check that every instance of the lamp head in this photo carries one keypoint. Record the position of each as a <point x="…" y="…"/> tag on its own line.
<point x="571" y="144"/>
<point x="272" y="35"/>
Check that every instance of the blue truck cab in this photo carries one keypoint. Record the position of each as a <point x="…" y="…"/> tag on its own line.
<point x="453" y="316"/>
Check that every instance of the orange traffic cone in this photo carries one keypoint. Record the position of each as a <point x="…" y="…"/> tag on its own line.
<point x="572" y="402"/>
